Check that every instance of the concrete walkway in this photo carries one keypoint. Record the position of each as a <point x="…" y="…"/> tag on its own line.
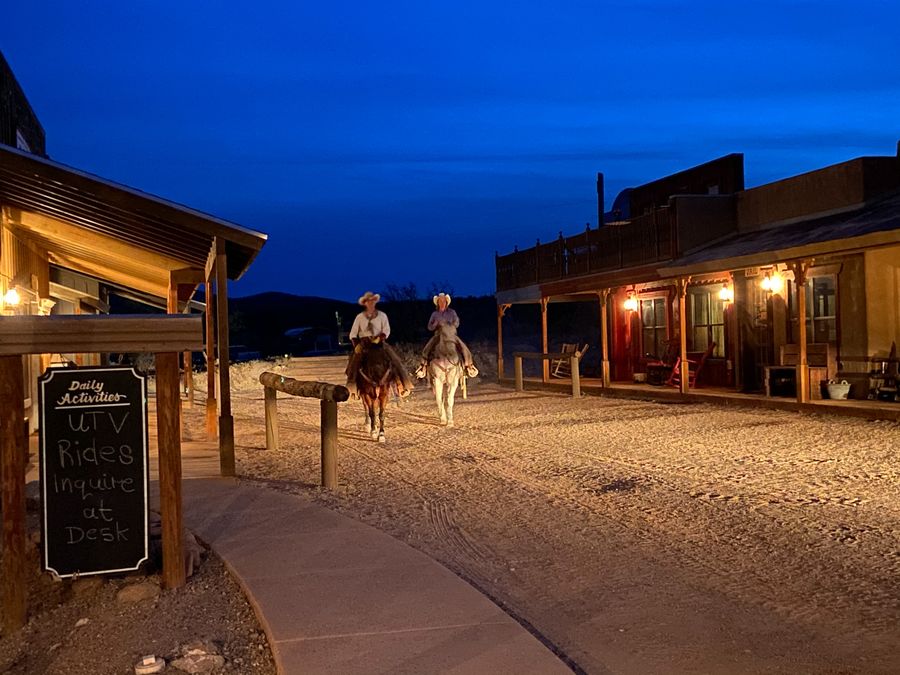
<point x="337" y="596"/>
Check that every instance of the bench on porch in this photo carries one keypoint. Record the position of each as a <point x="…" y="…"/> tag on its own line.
<point x="780" y="380"/>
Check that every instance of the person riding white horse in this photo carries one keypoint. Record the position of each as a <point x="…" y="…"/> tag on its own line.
<point x="444" y="315"/>
<point x="374" y="324"/>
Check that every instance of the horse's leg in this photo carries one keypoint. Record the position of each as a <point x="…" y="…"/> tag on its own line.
<point x="452" y="384"/>
<point x="370" y="417"/>
<point x="382" y="400"/>
<point x="439" y="397"/>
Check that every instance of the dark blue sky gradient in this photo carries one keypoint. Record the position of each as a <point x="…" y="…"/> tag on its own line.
<point x="392" y="142"/>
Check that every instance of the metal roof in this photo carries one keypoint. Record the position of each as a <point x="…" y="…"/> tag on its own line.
<point x="110" y="230"/>
<point x="874" y="224"/>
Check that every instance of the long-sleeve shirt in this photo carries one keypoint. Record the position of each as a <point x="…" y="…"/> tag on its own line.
<point x="364" y="326"/>
<point x="447" y="316"/>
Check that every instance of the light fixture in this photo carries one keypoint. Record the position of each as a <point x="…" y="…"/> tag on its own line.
<point x="772" y="282"/>
<point x="12" y="297"/>
<point x="631" y="303"/>
<point x="726" y="294"/>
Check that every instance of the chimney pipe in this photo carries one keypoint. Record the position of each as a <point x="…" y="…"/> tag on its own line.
<point x="601" y="206"/>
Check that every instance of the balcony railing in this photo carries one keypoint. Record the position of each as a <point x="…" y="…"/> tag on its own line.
<point x="643" y="240"/>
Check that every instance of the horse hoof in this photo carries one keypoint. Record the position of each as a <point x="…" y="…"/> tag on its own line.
<point x="374" y="435"/>
<point x="381" y="438"/>
<point x="449" y="423"/>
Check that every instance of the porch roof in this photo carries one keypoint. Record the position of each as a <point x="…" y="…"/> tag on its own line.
<point x="874" y="225"/>
<point x="111" y="231"/>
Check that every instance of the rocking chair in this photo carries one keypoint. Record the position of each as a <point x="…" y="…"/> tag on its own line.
<point x="563" y="367"/>
<point x="694" y="368"/>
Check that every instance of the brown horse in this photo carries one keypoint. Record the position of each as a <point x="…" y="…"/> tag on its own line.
<point x="373" y="382"/>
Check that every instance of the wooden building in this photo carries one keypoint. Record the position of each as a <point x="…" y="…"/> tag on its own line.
<point x="775" y="289"/>
<point x="69" y="239"/>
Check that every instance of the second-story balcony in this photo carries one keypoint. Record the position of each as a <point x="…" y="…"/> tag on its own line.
<point x="640" y="241"/>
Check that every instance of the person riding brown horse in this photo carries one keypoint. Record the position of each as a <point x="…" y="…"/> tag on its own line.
<point x="443" y="315"/>
<point x="372" y="323"/>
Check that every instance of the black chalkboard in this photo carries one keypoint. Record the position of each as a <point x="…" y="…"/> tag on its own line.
<point x="94" y="480"/>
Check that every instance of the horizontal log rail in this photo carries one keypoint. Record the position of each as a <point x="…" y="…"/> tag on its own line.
<point x="574" y="360"/>
<point x="329" y="396"/>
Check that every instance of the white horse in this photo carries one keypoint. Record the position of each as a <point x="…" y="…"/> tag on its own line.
<point x="446" y="372"/>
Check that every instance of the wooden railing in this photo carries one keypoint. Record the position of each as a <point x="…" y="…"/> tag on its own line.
<point x="328" y="394"/>
<point x="574" y="360"/>
<point x="643" y="240"/>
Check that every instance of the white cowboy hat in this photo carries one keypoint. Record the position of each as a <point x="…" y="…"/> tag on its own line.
<point x="368" y="295"/>
<point x="442" y="295"/>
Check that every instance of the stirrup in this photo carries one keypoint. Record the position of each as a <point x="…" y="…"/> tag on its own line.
<point x="471" y="370"/>
<point x="422" y="370"/>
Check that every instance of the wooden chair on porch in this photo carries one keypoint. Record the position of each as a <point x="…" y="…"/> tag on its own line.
<point x="694" y="368"/>
<point x="563" y="367"/>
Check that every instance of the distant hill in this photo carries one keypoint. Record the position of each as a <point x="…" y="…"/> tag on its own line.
<point x="259" y="321"/>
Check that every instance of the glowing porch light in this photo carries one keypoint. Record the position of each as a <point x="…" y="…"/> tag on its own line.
<point x="726" y="294"/>
<point x="12" y="297"/>
<point x="773" y="282"/>
<point x="631" y="303"/>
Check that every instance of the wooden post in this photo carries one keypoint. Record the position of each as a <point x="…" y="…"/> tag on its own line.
<point x="168" y="411"/>
<point x="802" y="362"/>
<point x="604" y="336"/>
<point x="271" y="418"/>
<point x="328" y="423"/>
<point x="681" y="286"/>
<point x="226" y="422"/>
<point x="212" y="412"/>
<point x="519" y="380"/>
<point x="501" y="311"/>
<point x="12" y="491"/>
<point x="189" y="377"/>
<point x="172" y="308"/>
<point x="576" y="376"/>
<point x="545" y="365"/>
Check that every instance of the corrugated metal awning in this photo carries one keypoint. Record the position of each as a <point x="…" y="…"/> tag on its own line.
<point x="111" y="231"/>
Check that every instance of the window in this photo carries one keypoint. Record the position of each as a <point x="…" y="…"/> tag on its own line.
<point x="653" y="326"/>
<point x="707" y="314"/>
<point x="821" y="309"/>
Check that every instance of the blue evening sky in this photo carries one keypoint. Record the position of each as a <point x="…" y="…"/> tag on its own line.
<point x="389" y="142"/>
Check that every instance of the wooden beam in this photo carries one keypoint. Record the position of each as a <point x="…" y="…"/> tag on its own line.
<point x="802" y="378"/>
<point x="168" y="414"/>
<point x="226" y="422"/>
<point x="681" y="286"/>
<point x="604" y="335"/>
<point x="544" y="344"/>
<point x="501" y="311"/>
<point x="187" y="276"/>
<point x="99" y="333"/>
<point x="212" y="422"/>
<point x="12" y="492"/>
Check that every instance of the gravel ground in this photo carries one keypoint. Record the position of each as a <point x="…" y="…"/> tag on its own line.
<point x="88" y="627"/>
<point x="633" y="536"/>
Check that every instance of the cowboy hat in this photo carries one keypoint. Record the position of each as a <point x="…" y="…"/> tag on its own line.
<point x="442" y="295"/>
<point x="368" y="295"/>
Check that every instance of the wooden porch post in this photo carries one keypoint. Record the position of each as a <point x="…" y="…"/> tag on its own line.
<point x="545" y="364"/>
<point x="172" y="308"/>
<point x="501" y="311"/>
<point x="800" y="269"/>
<point x="12" y="491"/>
<point x="604" y="335"/>
<point x="226" y="422"/>
<point x="681" y="287"/>
<point x="212" y="424"/>
<point x="168" y="405"/>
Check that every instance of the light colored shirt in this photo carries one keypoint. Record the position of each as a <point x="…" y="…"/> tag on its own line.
<point x="364" y="326"/>
<point x="447" y="316"/>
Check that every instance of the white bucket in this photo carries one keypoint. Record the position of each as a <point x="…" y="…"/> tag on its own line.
<point x="838" y="391"/>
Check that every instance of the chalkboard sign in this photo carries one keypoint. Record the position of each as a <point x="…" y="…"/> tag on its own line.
<point x="94" y="480"/>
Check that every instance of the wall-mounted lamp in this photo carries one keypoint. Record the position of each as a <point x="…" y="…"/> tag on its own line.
<point x="631" y="302"/>
<point x="12" y="297"/>
<point x="726" y="294"/>
<point x="772" y="282"/>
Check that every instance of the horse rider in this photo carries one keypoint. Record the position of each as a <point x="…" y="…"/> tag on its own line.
<point x="444" y="315"/>
<point x="372" y="323"/>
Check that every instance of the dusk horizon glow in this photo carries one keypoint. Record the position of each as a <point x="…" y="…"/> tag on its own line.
<point x="386" y="145"/>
